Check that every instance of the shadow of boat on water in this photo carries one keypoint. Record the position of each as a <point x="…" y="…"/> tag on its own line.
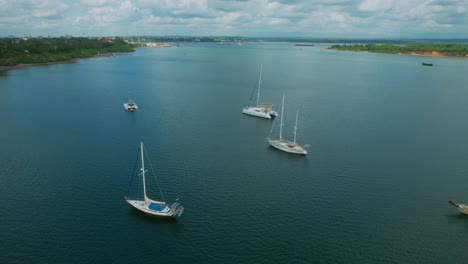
<point x="169" y="222"/>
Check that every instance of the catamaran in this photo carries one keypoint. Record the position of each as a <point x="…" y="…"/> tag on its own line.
<point x="262" y="109"/>
<point x="284" y="145"/>
<point x="150" y="206"/>
<point x="130" y="105"/>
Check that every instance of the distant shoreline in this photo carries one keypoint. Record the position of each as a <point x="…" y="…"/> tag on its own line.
<point x="432" y="54"/>
<point x="422" y="50"/>
<point x="417" y="54"/>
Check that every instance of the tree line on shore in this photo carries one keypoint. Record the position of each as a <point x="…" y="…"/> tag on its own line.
<point x="458" y="50"/>
<point x="14" y="51"/>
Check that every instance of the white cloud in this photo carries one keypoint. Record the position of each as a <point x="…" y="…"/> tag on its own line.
<point x="102" y="16"/>
<point x="52" y="10"/>
<point x="431" y="25"/>
<point x="376" y="5"/>
<point x="98" y="2"/>
<point x="317" y="18"/>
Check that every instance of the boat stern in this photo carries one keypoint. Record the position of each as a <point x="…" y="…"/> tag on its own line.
<point x="273" y="113"/>
<point x="177" y="209"/>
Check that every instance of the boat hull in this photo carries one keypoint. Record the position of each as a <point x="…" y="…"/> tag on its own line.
<point x="143" y="206"/>
<point x="259" y="112"/>
<point x="130" y="107"/>
<point x="463" y="209"/>
<point x="287" y="146"/>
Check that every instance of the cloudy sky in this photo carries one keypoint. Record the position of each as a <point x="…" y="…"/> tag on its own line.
<point x="250" y="18"/>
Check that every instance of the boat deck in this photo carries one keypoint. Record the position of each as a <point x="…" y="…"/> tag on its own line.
<point x="287" y="146"/>
<point x="157" y="207"/>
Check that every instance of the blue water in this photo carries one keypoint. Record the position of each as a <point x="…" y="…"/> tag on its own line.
<point x="388" y="149"/>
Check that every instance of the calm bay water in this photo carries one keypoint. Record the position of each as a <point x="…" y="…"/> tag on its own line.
<point x="388" y="150"/>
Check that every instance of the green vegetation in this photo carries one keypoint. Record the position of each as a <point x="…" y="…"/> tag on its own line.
<point x="457" y="50"/>
<point x="14" y="51"/>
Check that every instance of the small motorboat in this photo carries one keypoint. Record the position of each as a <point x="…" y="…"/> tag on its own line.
<point x="461" y="207"/>
<point x="426" y="64"/>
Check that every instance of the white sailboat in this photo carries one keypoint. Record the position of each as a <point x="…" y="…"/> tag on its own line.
<point x="150" y="206"/>
<point x="261" y="109"/>
<point x="130" y="105"/>
<point x="284" y="145"/>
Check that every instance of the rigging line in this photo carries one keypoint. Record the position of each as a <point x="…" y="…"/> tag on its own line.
<point x="271" y="129"/>
<point x="154" y="175"/>
<point x="273" y="125"/>
<point x="139" y="192"/>
<point x="133" y="174"/>
<point x="253" y="91"/>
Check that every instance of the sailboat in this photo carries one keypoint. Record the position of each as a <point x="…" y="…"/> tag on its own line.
<point x="262" y="109"/>
<point x="130" y="105"/>
<point x="284" y="145"/>
<point x="150" y="206"/>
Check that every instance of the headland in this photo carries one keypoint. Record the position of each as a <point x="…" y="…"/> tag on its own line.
<point x="429" y="50"/>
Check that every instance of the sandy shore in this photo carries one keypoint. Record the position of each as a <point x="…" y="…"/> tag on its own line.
<point x="417" y="53"/>
<point x="431" y="54"/>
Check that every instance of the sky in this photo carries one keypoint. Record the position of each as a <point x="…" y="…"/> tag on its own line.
<point x="247" y="18"/>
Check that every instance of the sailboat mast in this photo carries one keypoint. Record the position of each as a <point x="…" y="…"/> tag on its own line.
<point x="281" y="123"/>
<point x="143" y="170"/>
<point x="295" y="127"/>
<point x="259" y="84"/>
